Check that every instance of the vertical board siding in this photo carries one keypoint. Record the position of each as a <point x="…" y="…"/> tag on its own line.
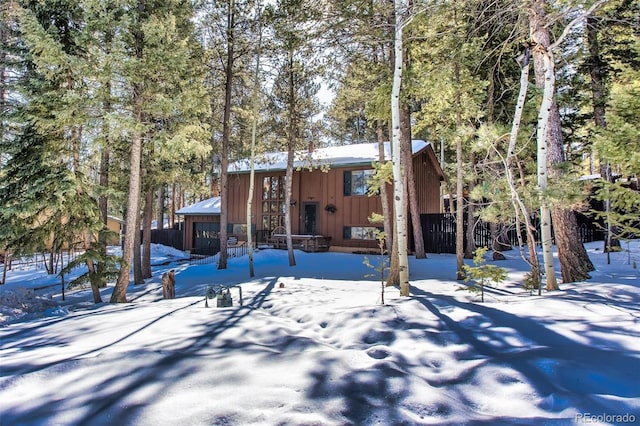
<point x="325" y="188"/>
<point x="427" y="182"/>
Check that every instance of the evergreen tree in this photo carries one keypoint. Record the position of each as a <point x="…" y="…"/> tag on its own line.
<point x="226" y="31"/>
<point x="293" y="99"/>
<point x="575" y="264"/>
<point x="618" y="144"/>
<point x="167" y="112"/>
<point x="449" y="92"/>
<point x="46" y="187"/>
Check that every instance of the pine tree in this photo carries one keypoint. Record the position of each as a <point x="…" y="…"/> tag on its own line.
<point x="575" y="264"/>
<point x="618" y="145"/>
<point x="226" y="31"/>
<point x="449" y="93"/>
<point x="165" y="82"/>
<point x="54" y="195"/>
<point x="293" y="99"/>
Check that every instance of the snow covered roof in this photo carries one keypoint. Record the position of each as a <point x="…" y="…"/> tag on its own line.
<point x="344" y="155"/>
<point x="115" y="219"/>
<point x="596" y="176"/>
<point x="208" y="206"/>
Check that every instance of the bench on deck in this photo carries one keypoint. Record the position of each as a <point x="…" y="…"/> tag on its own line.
<point x="304" y="242"/>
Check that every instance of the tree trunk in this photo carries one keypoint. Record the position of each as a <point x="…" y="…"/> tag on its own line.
<point x="95" y="291"/>
<point x="254" y="130"/>
<point x="398" y="171"/>
<point x="384" y="195"/>
<point x="226" y="134"/>
<point x="521" y="212"/>
<point x="4" y="41"/>
<point x="291" y="146"/>
<point x="137" y="252"/>
<point x="119" y="294"/>
<point x="574" y="260"/>
<point x="470" y="247"/>
<point x="394" y="268"/>
<point x="460" y="275"/>
<point x="146" y="233"/>
<point x="95" y="281"/>
<point x="418" y="239"/>
<point x="499" y="240"/>
<point x="172" y="213"/>
<point x="5" y="266"/>
<point x="288" y="202"/>
<point x="103" y="201"/>
<point x="160" y="208"/>
<point x="546" y="238"/>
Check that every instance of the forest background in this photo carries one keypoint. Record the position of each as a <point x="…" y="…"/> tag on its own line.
<point x="135" y="108"/>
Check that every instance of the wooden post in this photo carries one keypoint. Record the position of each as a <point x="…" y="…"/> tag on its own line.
<point x="169" y="285"/>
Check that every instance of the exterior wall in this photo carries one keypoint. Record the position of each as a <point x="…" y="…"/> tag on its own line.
<point x="314" y="187"/>
<point x="351" y="210"/>
<point x="114" y="226"/>
<point x="425" y="166"/>
<point x="323" y="188"/>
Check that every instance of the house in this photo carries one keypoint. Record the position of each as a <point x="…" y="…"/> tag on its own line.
<point x="329" y="196"/>
<point x="116" y="226"/>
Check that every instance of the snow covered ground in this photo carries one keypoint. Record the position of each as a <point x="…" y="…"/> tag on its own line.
<point x="313" y="345"/>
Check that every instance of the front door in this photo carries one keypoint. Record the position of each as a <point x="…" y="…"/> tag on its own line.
<point x="310" y="218"/>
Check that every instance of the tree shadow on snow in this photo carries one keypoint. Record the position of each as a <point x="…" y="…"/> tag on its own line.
<point x="557" y="367"/>
<point x="154" y="371"/>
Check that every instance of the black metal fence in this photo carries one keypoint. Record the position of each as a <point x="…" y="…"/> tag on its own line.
<point x="168" y="237"/>
<point x="439" y="231"/>
<point x="204" y="255"/>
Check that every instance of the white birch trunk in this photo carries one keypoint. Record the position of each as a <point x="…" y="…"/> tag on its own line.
<point x="291" y="146"/>
<point x="541" y="139"/>
<point x="520" y="209"/>
<point x="254" y="127"/>
<point x="398" y="173"/>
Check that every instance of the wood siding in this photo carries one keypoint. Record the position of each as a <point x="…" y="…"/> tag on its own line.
<point x="327" y="187"/>
<point x="427" y="179"/>
<point x="319" y="189"/>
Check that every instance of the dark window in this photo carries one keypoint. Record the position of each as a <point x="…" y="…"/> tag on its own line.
<point x="240" y="228"/>
<point x="360" y="232"/>
<point x="357" y="182"/>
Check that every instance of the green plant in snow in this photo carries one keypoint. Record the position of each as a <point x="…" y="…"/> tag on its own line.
<point x="530" y="283"/>
<point x="481" y="273"/>
<point x="383" y="261"/>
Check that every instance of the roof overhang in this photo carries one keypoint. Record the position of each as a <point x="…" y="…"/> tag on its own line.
<point x="210" y="206"/>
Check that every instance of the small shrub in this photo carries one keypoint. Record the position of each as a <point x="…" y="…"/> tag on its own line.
<point x="383" y="261"/>
<point x="481" y="273"/>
